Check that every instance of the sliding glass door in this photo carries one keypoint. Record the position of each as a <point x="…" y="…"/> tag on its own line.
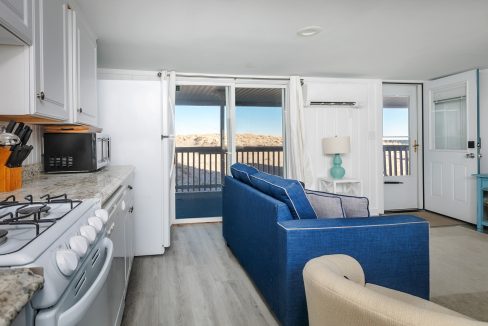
<point x="259" y="135"/>
<point x="201" y="149"/>
<point x="218" y="123"/>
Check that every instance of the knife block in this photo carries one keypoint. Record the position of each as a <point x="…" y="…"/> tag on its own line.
<point x="10" y="178"/>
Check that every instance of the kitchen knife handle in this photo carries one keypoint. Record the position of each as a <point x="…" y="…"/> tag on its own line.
<point x="19" y="128"/>
<point x="26" y="137"/>
<point x="10" y="126"/>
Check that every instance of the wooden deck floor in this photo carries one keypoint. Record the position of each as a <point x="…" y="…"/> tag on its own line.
<point x="196" y="282"/>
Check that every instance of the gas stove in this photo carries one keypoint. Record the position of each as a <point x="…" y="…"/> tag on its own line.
<point x="21" y="222"/>
<point x="66" y="237"/>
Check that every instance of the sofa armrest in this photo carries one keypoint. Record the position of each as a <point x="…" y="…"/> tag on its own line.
<point x="392" y="250"/>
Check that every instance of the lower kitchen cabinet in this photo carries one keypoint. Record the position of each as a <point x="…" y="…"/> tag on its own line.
<point x="111" y="299"/>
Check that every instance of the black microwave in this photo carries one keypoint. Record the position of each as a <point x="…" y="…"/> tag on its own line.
<point x="75" y="152"/>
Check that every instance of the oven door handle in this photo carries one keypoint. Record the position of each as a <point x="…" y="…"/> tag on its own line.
<point x="75" y="313"/>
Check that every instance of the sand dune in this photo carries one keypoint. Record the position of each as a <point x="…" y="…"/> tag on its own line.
<point x="214" y="140"/>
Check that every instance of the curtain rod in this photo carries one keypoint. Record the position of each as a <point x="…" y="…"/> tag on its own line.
<point x="181" y="74"/>
<point x="452" y="99"/>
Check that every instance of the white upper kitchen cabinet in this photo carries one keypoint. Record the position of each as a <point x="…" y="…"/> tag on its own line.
<point x="55" y="79"/>
<point x="85" y="73"/>
<point x="16" y="17"/>
<point x="51" y="59"/>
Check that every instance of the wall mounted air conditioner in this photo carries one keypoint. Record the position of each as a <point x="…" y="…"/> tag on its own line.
<point x="314" y="97"/>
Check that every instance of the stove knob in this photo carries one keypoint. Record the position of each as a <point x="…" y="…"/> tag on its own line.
<point x="89" y="233"/>
<point x="67" y="261"/>
<point x="96" y="223"/>
<point x="102" y="214"/>
<point x="79" y="245"/>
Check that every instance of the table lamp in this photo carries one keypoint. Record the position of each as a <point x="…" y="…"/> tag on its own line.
<point x="336" y="146"/>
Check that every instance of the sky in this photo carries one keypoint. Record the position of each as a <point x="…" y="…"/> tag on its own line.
<point x="265" y="120"/>
<point x="249" y="119"/>
<point x="395" y="122"/>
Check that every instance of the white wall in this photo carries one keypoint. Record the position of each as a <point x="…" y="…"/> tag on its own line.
<point x="483" y="89"/>
<point x="363" y="125"/>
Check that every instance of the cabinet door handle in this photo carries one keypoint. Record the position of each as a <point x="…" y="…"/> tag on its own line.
<point x="41" y="96"/>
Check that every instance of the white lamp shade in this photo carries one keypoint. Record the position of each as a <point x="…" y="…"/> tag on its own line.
<point x="336" y="145"/>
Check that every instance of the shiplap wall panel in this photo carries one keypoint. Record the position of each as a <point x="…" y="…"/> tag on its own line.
<point x="363" y="125"/>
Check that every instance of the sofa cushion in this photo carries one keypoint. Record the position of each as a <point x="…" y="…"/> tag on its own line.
<point x="325" y="206"/>
<point x="242" y="172"/>
<point x="353" y="206"/>
<point x="289" y="191"/>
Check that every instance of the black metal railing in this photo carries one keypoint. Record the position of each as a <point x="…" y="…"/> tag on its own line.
<point x="396" y="160"/>
<point x="268" y="159"/>
<point x="204" y="168"/>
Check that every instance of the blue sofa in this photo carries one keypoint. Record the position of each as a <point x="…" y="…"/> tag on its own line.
<point x="273" y="248"/>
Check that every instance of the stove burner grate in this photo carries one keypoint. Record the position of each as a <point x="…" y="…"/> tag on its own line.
<point x="31" y="209"/>
<point x="32" y="213"/>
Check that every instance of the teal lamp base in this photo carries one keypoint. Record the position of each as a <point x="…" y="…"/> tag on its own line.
<point x="337" y="171"/>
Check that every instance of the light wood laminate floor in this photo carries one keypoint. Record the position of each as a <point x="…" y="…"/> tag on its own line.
<point x="196" y="282"/>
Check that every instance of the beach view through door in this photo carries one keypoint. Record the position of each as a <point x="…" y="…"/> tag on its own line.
<point x="259" y="128"/>
<point x="200" y="154"/>
<point x="203" y="154"/>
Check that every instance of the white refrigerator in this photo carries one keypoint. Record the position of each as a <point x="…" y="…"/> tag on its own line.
<point x="133" y="109"/>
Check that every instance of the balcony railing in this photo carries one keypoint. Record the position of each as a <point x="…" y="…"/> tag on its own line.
<point x="396" y="160"/>
<point x="203" y="168"/>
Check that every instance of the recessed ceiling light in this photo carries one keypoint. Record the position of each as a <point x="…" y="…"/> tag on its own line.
<point x="309" y="31"/>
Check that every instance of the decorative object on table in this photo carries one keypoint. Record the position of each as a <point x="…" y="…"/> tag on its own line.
<point x="336" y="146"/>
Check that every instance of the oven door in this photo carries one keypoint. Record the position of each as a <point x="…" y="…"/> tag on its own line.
<point x="88" y="285"/>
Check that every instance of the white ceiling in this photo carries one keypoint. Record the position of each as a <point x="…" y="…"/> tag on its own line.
<point x="389" y="39"/>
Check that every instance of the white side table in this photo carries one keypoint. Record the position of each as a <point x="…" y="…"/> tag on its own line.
<point x="341" y="186"/>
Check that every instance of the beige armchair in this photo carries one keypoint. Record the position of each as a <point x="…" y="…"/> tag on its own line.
<point x="337" y="295"/>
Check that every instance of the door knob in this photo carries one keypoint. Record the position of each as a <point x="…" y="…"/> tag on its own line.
<point x="415" y="146"/>
<point x="470" y="155"/>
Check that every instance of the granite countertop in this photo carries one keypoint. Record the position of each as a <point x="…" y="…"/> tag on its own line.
<point x="100" y="184"/>
<point x="17" y="286"/>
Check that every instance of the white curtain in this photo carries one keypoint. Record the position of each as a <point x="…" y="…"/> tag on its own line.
<point x="298" y="159"/>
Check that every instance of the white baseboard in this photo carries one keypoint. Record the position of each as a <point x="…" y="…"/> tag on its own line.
<point x="197" y="220"/>
<point x="375" y="212"/>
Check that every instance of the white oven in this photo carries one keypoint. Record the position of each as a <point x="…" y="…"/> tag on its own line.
<point x="80" y="298"/>
<point x="96" y="294"/>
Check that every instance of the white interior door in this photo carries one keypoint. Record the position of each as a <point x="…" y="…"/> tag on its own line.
<point x="401" y="146"/>
<point x="451" y="153"/>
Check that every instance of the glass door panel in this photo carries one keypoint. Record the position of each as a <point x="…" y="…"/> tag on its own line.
<point x="450" y="119"/>
<point x="396" y="138"/>
<point x="259" y="128"/>
<point x="201" y="160"/>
